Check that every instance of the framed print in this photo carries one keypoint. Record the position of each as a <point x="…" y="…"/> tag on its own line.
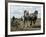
<point x="24" y="18"/>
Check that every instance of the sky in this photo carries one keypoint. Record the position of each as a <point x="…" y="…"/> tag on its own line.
<point x="18" y="10"/>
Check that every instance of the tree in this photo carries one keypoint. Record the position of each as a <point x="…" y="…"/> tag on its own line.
<point x="13" y="18"/>
<point x="12" y="21"/>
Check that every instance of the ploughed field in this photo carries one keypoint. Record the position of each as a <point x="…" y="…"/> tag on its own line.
<point x="19" y="25"/>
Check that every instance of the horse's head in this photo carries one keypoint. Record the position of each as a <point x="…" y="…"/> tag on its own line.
<point x="36" y="12"/>
<point x="26" y="13"/>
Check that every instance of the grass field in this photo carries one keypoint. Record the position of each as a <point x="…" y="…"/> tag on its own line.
<point x="20" y="26"/>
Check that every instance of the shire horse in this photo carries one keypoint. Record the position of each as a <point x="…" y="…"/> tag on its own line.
<point x="30" y="17"/>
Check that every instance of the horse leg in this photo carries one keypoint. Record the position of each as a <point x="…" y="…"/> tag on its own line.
<point x="31" y="23"/>
<point x="34" y="21"/>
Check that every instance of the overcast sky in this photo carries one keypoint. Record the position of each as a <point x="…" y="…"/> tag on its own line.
<point x="18" y="10"/>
